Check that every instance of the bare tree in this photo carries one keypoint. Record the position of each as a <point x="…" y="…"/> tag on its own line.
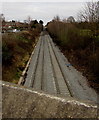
<point x="56" y="18"/>
<point x="28" y="21"/>
<point x="97" y="11"/>
<point x="2" y="18"/>
<point x="70" y="19"/>
<point x="90" y="13"/>
<point x="80" y="17"/>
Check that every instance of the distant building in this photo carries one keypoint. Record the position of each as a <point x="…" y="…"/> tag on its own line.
<point x="8" y="25"/>
<point x="13" y="25"/>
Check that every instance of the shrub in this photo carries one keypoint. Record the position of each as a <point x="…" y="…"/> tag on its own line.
<point x="7" y="55"/>
<point x="16" y="49"/>
<point x="79" y="41"/>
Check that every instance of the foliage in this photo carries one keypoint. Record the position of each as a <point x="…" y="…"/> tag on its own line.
<point x="80" y="42"/>
<point x="16" y="49"/>
<point x="41" y="22"/>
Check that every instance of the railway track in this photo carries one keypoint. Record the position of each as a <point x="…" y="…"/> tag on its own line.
<point x="44" y="72"/>
<point x="48" y="71"/>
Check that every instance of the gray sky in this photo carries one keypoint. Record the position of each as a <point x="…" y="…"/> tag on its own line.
<point x="41" y="9"/>
<point x="47" y="0"/>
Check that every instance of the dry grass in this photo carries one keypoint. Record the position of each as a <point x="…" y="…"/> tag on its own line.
<point x="16" y="50"/>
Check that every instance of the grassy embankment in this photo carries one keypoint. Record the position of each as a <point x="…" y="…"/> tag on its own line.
<point x="80" y="44"/>
<point x="16" y="50"/>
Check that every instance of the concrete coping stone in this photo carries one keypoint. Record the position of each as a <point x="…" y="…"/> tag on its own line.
<point x="22" y="102"/>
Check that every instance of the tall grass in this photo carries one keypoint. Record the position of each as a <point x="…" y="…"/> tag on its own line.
<point x="68" y="35"/>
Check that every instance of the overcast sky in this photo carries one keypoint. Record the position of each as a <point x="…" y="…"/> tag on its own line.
<point x="41" y="9"/>
<point x="47" y="0"/>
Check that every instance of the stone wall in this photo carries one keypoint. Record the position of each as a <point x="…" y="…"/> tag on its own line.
<point x="21" y="102"/>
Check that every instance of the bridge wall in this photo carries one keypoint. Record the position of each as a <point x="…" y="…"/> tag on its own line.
<point x="21" y="102"/>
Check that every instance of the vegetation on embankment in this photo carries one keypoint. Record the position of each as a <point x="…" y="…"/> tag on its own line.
<point x="16" y="50"/>
<point x="80" y="45"/>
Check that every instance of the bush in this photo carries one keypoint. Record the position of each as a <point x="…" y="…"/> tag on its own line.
<point x="7" y="55"/>
<point x="68" y="35"/>
<point x="16" y="49"/>
<point x="78" y="40"/>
